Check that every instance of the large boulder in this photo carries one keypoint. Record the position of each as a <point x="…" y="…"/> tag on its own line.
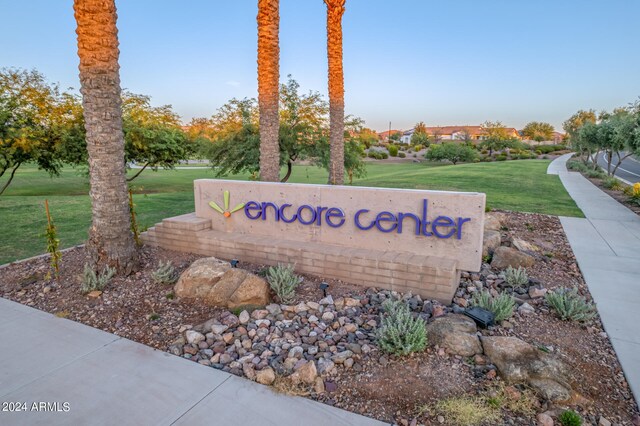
<point x="490" y="242"/>
<point x="455" y="333"/>
<point x="519" y="362"/>
<point x="508" y="256"/>
<point x="492" y="222"/>
<point x="217" y="284"/>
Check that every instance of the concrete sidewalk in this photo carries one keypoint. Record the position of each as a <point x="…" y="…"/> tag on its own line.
<point x="109" y="380"/>
<point x="607" y="246"/>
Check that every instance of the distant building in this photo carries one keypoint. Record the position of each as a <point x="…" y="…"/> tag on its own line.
<point x="385" y="135"/>
<point x="448" y="133"/>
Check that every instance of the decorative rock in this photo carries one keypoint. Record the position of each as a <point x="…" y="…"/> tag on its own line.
<point x="341" y="357"/>
<point x="491" y="222"/>
<point x="266" y="376"/>
<point x="518" y="361"/>
<point x="306" y="373"/>
<point x="537" y="292"/>
<point x="244" y="317"/>
<point x="456" y="333"/>
<point x="526" y="309"/>
<point x="603" y="421"/>
<point x="328" y="316"/>
<point x="217" y="284"/>
<point x="218" y="328"/>
<point x="318" y="387"/>
<point x="273" y="309"/>
<point x="544" y="420"/>
<point x="490" y="241"/>
<point x="194" y="337"/>
<point x="327" y="300"/>
<point x="438" y="311"/>
<point x="522" y="245"/>
<point x="507" y="256"/>
<point x="94" y="294"/>
<point x="228" y="338"/>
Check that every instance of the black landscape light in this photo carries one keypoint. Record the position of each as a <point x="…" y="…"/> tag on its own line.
<point x="481" y="316"/>
<point x="324" y="286"/>
<point x="234" y="263"/>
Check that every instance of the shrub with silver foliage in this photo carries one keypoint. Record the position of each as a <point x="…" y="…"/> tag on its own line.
<point x="165" y="274"/>
<point x="283" y="282"/>
<point x="92" y="281"/>
<point x="400" y="333"/>
<point x="501" y="306"/>
<point x="569" y="305"/>
<point x="516" y="277"/>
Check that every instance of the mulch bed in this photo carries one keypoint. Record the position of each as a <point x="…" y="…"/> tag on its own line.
<point x="385" y="387"/>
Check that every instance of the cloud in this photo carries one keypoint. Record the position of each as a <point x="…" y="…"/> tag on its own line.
<point x="233" y="83"/>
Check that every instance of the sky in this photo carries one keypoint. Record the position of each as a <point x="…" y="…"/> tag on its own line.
<point x="441" y="62"/>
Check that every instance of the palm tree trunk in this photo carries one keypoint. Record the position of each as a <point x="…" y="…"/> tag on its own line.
<point x="335" y="10"/>
<point x="110" y="239"/>
<point x="268" y="82"/>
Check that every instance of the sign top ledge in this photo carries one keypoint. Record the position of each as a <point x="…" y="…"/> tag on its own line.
<point x="368" y="188"/>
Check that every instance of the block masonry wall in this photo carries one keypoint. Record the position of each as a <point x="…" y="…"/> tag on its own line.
<point x="429" y="276"/>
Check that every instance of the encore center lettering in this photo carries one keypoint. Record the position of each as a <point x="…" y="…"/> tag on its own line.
<point x="441" y="226"/>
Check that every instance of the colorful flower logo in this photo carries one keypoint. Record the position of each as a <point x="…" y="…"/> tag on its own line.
<point x="226" y="212"/>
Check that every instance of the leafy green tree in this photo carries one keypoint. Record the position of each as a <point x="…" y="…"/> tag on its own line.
<point x="586" y="141"/>
<point x="31" y="122"/>
<point x="573" y="124"/>
<point x="453" y="152"/>
<point x="420" y="138"/>
<point x="538" y="131"/>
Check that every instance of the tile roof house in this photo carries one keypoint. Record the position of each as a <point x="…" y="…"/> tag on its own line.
<point x="455" y="133"/>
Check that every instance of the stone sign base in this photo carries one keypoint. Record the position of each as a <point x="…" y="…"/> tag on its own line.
<point x="430" y="277"/>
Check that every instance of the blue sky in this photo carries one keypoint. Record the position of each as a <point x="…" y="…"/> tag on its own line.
<point x="441" y="62"/>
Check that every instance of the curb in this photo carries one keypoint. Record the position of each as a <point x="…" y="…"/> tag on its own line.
<point x="17" y="262"/>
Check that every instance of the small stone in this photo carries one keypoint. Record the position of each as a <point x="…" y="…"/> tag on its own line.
<point x="313" y="306"/>
<point x="228" y="338"/>
<point x="259" y="314"/>
<point x="249" y="371"/>
<point x="263" y="323"/>
<point x="348" y="363"/>
<point x="328" y="316"/>
<point x="327" y="300"/>
<point x="330" y="386"/>
<point x="544" y="420"/>
<point x="537" y="292"/>
<point x="194" y="337"/>
<point x="225" y="358"/>
<point x="461" y="301"/>
<point x="94" y="294"/>
<point x="319" y="385"/>
<point x="266" y="376"/>
<point x="351" y="302"/>
<point x="438" y="311"/>
<point x="350" y="328"/>
<point x="218" y="328"/>
<point x="273" y="309"/>
<point x="307" y="374"/>
<point x="244" y="317"/>
<point x="440" y="419"/>
<point x="341" y="357"/>
<point x="526" y="309"/>
<point x="300" y="307"/>
<point x="603" y="421"/>
<point x="491" y="374"/>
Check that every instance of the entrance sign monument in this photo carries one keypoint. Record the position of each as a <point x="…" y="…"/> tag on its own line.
<point x="399" y="239"/>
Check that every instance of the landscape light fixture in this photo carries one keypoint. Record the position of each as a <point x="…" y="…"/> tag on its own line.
<point x="234" y="263"/>
<point x="481" y="316"/>
<point x="324" y="286"/>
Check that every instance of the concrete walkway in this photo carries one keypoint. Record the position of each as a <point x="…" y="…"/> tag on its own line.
<point x="607" y="246"/>
<point x="109" y="380"/>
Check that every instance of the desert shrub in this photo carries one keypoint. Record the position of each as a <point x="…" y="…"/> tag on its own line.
<point x="402" y="155"/>
<point x="516" y="277"/>
<point x="612" y="183"/>
<point x="453" y="152"/>
<point x="283" y="282"/>
<point x="570" y="418"/>
<point x="164" y="274"/>
<point x="418" y="147"/>
<point x="400" y="333"/>
<point x="569" y="305"/>
<point x="92" y="281"/>
<point x="538" y="152"/>
<point x="523" y="403"/>
<point x="384" y="155"/>
<point x="633" y="192"/>
<point x="467" y="411"/>
<point x="501" y="157"/>
<point x="393" y="150"/>
<point x="578" y="166"/>
<point x="598" y="174"/>
<point x="501" y="306"/>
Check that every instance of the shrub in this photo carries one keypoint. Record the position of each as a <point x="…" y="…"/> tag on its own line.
<point x="612" y="183"/>
<point x="165" y="274"/>
<point x="418" y="147"/>
<point x="501" y="306"/>
<point x="402" y="155"/>
<point x="92" y="281"/>
<point x="393" y="150"/>
<point x="516" y="277"/>
<point x="400" y="333"/>
<point x="467" y="411"/>
<point x="384" y="155"/>
<point x="598" y="174"/>
<point x="569" y="305"/>
<point x="577" y="166"/>
<point x="53" y="243"/>
<point x="570" y="418"/>
<point x="453" y="152"/>
<point x="633" y="192"/>
<point x="501" y="157"/>
<point x="283" y="282"/>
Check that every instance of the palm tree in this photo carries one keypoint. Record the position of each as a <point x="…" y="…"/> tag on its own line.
<point x="268" y="85"/>
<point x="110" y="239"/>
<point x="335" y="10"/>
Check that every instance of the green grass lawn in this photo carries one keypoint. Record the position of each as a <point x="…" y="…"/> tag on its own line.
<point x="512" y="185"/>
